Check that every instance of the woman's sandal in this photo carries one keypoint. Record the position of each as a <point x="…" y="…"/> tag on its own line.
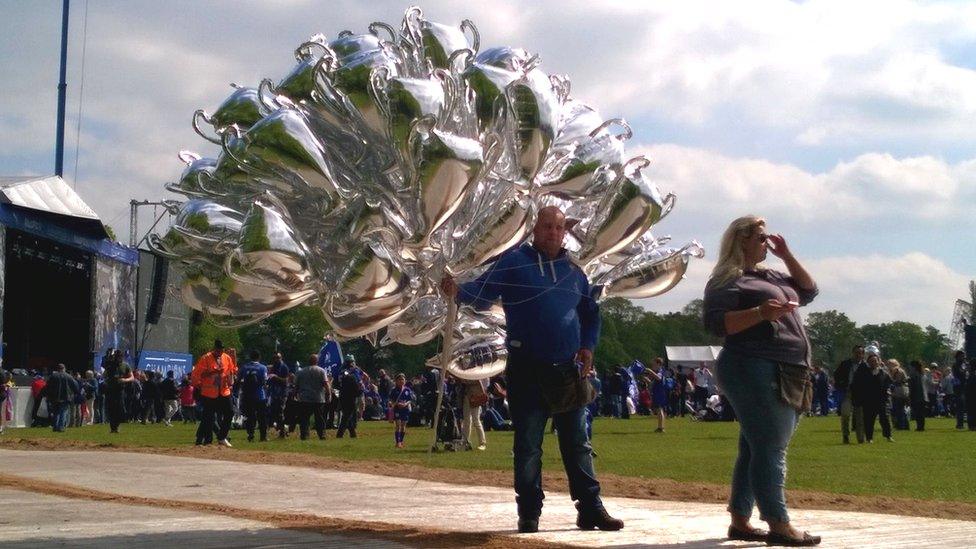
<point x="779" y="539"/>
<point x="747" y="535"/>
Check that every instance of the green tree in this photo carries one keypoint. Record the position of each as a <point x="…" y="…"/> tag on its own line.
<point x="298" y="331"/>
<point x="202" y="337"/>
<point x="832" y="335"/>
<point x="935" y="347"/>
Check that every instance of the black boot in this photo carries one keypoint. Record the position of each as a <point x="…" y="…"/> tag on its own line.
<point x="528" y="525"/>
<point x="590" y="518"/>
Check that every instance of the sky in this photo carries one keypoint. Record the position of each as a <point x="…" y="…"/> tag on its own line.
<point x="849" y="126"/>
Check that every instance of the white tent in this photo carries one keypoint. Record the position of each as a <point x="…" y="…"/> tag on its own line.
<point x="692" y="356"/>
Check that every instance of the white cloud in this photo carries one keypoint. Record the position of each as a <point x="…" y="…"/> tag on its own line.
<point x="871" y="186"/>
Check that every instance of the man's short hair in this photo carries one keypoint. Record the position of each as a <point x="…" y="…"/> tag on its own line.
<point x="254" y="354"/>
<point x="856" y="347"/>
<point x="218" y="344"/>
<point x="170" y="373"/>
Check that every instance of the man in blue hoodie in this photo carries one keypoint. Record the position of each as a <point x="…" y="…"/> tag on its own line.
<point x="251" y="379"/>
<point x="551" y="321"/>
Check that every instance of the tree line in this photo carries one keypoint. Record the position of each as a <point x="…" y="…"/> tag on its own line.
<point x="628" y="332"/>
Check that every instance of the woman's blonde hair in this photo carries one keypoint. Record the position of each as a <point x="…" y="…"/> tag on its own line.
<point x="731" y="259"/>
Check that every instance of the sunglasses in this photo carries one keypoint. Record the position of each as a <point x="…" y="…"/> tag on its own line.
<point x="763" y="237"/>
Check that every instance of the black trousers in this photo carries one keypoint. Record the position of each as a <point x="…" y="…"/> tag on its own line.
<point x="316" y="409"/>
<point x="113" y="409"/>
<point x="277" y="414"/>
<point x="876" y="412"/>
<point x="349" y="419"/>
<point x="217" y="413"/>
<point x="255" y="411"/>
<point x="971" y="405"/>
<point x="919" y="411"/>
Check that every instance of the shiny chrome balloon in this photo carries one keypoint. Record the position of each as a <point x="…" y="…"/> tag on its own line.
<point x="504" y="226"/>
<point x="224" y="296"/>
<point x="476" y="357"/>
<point x="446" y="167"/>
<point x="282" y="145"/>
<point x="373" y="292"/>
<point x="243" y="108"/>
<point x="650" y="274"/>
<point x="198" y="171"/>
<point x="269" y="250"/>
<point x="576" y="173"/>
<point x="422" y="322"/>
<point x="437" y="41"/>
<point x="627" y="211"/>
<point x="534" y="110"/>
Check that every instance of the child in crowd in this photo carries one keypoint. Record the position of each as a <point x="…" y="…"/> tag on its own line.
<point x="187" y="402"/>
<point x="401" y="398"/>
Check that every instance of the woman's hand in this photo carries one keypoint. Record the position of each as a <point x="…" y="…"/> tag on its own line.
<point x="777" y="245"/>
<point x="772" y="310"/>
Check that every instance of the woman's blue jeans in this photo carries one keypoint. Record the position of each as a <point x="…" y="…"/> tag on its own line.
<point x="766" y="427"/>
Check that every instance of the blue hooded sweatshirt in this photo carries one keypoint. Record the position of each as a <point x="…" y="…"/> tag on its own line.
<point x="548" y="309"/>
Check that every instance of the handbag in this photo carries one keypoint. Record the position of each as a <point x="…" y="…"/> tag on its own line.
<point x="479" y="398"/>
<point x="563" y="389"/>
<point x="796" y="386"/>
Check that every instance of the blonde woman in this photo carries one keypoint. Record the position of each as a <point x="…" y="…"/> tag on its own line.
<point x="754" y="309"/>
<point x="899" y="394"/>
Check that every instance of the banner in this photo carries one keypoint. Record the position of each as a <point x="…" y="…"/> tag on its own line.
<point x="162" y="362"/>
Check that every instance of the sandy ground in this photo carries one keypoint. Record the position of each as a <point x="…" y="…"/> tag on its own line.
<point x="363" y="531"/>
<point x="612" y="485"/>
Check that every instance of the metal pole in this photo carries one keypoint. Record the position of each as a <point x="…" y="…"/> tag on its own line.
<point x="446" y="351"/>
<point x="62" y="92"/>
<point x="133" y="221"/>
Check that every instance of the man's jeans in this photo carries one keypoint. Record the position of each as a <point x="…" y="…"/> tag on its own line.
<point x="766" y="427"/>
<point x="529" y="415"/>
<point x="59" y="414"/>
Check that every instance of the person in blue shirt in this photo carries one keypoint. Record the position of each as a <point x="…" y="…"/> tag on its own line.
<point x="278" y="389"/>
<point x="552" y="323"/>
<point x="659" y="392"/>
<point x="251" y="379"/>
<point x="401" y="399"/>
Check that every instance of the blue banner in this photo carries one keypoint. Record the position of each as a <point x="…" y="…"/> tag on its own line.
<point x="66" y="230"/>
<point x="162" y="362"/>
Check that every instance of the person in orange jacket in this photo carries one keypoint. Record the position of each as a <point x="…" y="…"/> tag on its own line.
<point x="214" y="375"/>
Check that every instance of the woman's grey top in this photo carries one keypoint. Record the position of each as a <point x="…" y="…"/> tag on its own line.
<point x="783" y="340"/>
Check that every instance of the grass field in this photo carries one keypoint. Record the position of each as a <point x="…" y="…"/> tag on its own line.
<point x="931" y="465"/>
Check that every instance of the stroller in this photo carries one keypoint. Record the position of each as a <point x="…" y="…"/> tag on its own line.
<point x="448" y="430"/>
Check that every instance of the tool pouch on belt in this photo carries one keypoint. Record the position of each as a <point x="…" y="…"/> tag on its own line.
<point x="563" y="389"/>
<point x="795" y="386"/>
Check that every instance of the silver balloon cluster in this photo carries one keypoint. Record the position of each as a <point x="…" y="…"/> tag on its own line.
<point x="382" y="161"/>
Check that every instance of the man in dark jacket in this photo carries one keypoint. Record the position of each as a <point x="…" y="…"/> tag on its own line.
<point x="60" y="392"/>
<point x="869" y="392"/>
<point x="843" y="376"/>
<point x="170" y="394"/>
<point x="350" y="389"/>
<point x="960" y="375"/>
<point x="553" y="325"/>
<point x="917" y="396"/>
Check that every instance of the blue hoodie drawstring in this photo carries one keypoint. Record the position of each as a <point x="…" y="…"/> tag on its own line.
<point x="542" y="272"/>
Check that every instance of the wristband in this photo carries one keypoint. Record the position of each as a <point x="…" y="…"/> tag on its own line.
<point x="761" y="317"/>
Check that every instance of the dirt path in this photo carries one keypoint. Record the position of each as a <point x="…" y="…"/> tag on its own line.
<point x="369" y="530"/>
<point x="612" y="485"/>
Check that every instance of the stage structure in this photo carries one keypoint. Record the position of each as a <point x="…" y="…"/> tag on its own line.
<point x="67" y="291"/>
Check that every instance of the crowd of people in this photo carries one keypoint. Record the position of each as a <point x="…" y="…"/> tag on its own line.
<point x="865" y="389"/>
